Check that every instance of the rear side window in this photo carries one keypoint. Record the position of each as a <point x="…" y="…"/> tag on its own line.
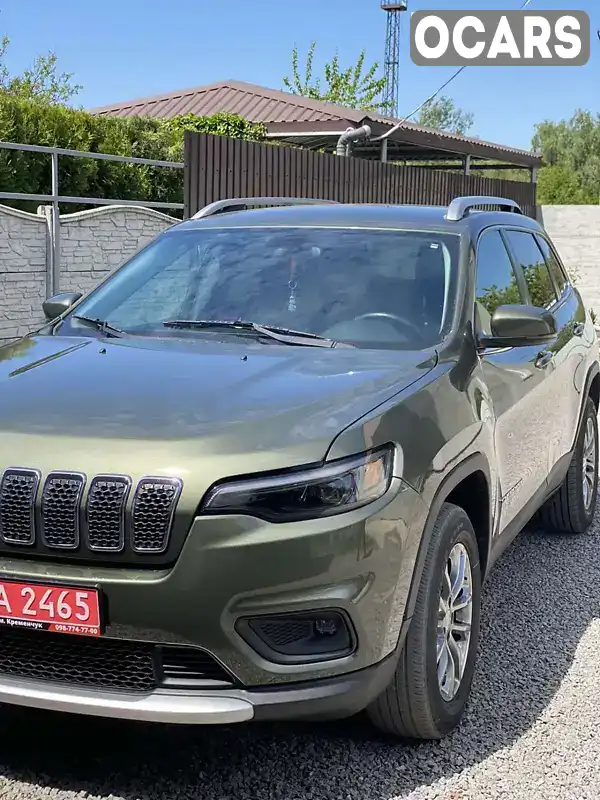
<point x="560" y="278"/>
<point x="537" y="276"/>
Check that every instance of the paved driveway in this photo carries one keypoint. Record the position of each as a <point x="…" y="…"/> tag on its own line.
<point x="532" y="731"/>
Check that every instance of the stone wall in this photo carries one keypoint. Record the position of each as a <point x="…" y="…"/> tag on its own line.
<point x="575" y="230"/>
<point x="92" y="244"/>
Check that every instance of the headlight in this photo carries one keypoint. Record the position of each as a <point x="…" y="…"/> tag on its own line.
<point x="334" y="488"/>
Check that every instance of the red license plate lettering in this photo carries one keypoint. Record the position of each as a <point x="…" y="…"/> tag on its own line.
<point x="50" y="608"/>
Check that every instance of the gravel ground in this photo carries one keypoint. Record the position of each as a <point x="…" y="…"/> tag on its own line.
<point x="531" y="731"/>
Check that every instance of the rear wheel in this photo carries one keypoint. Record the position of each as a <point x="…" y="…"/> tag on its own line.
<point x="432" y="682"/>
<point x="572" y="508"/>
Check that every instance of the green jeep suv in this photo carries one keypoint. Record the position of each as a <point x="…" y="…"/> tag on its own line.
<point x="263" y="469"/>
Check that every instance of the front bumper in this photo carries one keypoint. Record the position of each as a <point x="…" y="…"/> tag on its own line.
<point x="199" y="708"/>
<point x="333" y="698"/>
<point x="238" y="567"/>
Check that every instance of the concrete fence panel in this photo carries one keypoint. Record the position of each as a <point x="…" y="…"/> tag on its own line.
<point x="23" y="246"/>
<point x="92" y="244"/>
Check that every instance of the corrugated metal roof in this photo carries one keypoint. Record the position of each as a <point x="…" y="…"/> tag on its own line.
<point x="276" y="108"/>
<point x="254" y="103"/>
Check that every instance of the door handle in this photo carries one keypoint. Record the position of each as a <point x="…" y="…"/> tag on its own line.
<point x="578" y="328"/>
<point x="544" y="358"/>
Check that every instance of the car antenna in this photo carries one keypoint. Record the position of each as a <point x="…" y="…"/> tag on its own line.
<point x="434" y="95"/>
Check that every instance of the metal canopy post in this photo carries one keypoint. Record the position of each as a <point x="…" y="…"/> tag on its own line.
<point x="384" y="151"/>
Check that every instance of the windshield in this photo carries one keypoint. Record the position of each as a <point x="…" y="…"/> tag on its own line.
<point x="367" y="287"/>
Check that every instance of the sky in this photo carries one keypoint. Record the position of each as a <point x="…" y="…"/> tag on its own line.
<point x="122" y="49"/>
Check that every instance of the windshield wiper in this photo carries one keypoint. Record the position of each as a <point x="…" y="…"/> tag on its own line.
<point x="100" y="325"/>
<point x="284" y="335"/>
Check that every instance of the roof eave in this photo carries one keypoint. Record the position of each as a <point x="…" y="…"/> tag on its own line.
<point x="420" y="139"/>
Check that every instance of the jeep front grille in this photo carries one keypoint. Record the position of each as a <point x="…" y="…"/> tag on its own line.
<point x="18" y="491"/>
<point x="104" y="517"/>
<point x="61" y="506"/>
<point x="105" y="663"/>
<point x="153" y="506"/>
<point x="106" y="503"/>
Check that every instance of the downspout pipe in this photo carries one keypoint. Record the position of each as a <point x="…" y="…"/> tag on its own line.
<point x="351" y="135"/>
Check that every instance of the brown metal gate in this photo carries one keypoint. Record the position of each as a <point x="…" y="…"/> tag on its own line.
<point x="217" y="168"/>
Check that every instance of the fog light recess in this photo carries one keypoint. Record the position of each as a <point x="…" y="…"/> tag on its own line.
<point x="299" y="637"/>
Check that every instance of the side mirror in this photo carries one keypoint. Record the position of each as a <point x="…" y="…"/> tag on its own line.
<point x="57" y="305"/>
<point x="520" y="326"/>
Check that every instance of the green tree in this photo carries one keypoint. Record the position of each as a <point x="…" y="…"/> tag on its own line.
<point x="220" y="124"/>
<point x="559" y="186"/>
<point x="351" y="87"/>
<point x="443" y="115"/>
<point x="41" y="81"/>
<point x="571" y="151"/>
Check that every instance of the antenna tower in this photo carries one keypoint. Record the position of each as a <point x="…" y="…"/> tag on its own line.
<point x="393" y="9"/>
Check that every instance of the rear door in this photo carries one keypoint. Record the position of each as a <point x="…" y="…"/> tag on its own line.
<point x="547" y="288"/>
<point x="573" y="348"/>
<point x="516" y="379"/>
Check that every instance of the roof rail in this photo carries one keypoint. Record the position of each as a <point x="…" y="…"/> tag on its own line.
<point x="242" y="203"/>
<point x="459" y="207"/>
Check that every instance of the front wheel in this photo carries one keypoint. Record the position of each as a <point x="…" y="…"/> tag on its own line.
<point x="432" y="682"/>
<point x="571" y="509"/>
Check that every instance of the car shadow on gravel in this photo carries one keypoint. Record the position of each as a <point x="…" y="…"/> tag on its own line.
<point x="540" y="599"/>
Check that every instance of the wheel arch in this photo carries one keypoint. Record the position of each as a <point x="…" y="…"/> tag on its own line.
<point x="591" y="389"/>
<point x="464" y="487"/>
<point x="593" y="384"/>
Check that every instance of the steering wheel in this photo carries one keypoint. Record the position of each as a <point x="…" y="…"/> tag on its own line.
<point x="399" y="322"/>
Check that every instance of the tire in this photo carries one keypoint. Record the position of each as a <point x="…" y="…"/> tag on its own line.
<point x="413" y="705"/>
<point x="567" y="510"/>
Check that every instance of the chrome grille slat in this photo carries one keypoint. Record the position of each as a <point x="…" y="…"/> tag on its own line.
<point x="106" y="504"/>
<point x="61" y="509"/>
<point x="154" y="505"/>
<point x="18" y="492"/>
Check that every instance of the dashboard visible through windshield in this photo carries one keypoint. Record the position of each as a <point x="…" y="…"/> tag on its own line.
<point x="367" y="287"/>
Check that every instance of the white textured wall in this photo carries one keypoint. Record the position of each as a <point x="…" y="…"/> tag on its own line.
<point x="575" y="230"/>
<point x="22" y="271"/>
<point x="92" y="243"/>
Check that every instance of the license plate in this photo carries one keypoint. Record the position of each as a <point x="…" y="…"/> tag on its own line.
<point x="40" y="607"/>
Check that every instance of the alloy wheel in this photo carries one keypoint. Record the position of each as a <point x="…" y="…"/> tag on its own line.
<point x="455" y="615"/>
<point x="589" y="464"/>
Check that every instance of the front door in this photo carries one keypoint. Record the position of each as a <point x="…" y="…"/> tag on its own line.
<point x="516" y="379"/>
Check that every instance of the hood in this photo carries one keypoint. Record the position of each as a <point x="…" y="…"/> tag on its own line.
<point x="165" y="406"/>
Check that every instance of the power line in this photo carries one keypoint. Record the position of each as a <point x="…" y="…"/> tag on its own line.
<point x="435" y="94"/>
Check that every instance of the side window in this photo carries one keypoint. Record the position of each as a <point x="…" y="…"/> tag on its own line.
<point x="496" y="283"/>
<point x="529" y="256"/>
<point x="560" y="277"/>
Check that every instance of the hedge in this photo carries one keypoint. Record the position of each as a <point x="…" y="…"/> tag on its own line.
<point x="35" y="122"/>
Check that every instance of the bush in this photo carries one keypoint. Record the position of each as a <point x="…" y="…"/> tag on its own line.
<point x="38" y="122"/>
